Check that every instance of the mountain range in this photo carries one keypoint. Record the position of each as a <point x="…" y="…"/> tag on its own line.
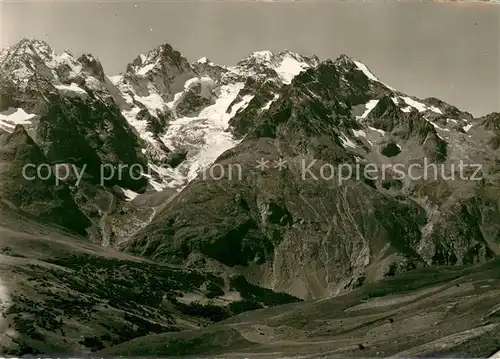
<point x="176" y="195"/>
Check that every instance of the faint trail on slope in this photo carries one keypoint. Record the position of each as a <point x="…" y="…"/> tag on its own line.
<point x="4" y="303"/>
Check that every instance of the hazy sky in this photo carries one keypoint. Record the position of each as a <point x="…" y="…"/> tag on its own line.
<point x="444" y="50"/>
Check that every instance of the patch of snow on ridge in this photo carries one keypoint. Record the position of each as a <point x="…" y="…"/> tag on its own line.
<point x="437" y="127"/>
<point x="240" y="105"/>
<point x="262" y="55"/>
<point x="140" y="126"/>
<point x="370" y="105"/>
<point x="421" y="107"/>
<point x="217" y="140"/>
<point x="362" y="133"/>
<point x="204" y="60"/>
<point x="286" y="64"/>
<point x="115" y="80"/>
<point x="359" y="133"/>
<point x="467" y="127"/>
<point x="382" y="132"/>
<point x="495" y="356"/>
<point x="14" y="116"/>
<point x="365" y="70"/>
<point x="5" y="301"/>
<point x="207" y="84"/>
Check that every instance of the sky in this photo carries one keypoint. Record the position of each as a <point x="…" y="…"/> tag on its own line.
<point x="446" y="50"/>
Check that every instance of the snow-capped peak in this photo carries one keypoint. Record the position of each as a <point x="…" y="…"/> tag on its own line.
<point x="361" y="66"/>
<point x="268" y="57"/>
<point x="287" y="64"/>
<point x="346" y="63"/>
<point x="26" y="49"/>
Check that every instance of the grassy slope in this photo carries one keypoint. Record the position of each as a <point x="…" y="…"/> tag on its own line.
<point x="405" y="314"/>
